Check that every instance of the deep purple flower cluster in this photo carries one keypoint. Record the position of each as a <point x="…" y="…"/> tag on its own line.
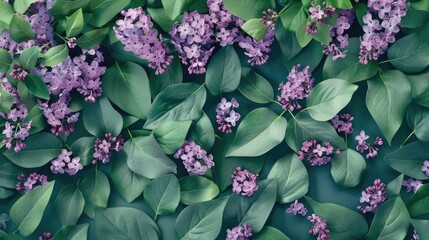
<point x="136" y="33"/>
<point x="104" y="147"/>
<point x="372" y="197"/>
<point x="319" y="14"/>
<point x="319" y="228"/>
<point x="363" y="145"/>
<point x="297" y="208"/>
<point x="64" y="163"/>
<point x="425" y="167"/>
<point x="343" y="123"/>
<point x="298" y="86"/>
<point x="226" y="116"/>
<point x="194" y="157"/>
<point x="339" y="39"/>
<point x="18" y="72"/>
<point x="241" y="232"/>
<point x="412" y="184"/>
<point x="46" y="236"/>
<point x="378" y="35"/>
<point x="33" y="181"/>
<point x="317" y="154"/>
<point x="244" y="182"/>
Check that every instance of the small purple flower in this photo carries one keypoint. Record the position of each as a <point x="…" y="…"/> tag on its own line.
<point x="372" y="197"/>
<point x="18" y="73"/>
<point x="241" y="232"/>
<point x="412" y="184"/>
<point x="319" y="228"/>
<point x="226" y="116"/>
<point x="46" y="236"/>
<point x="298" y="86"/>
<point x="317" y="154"/>
<point x="103" y="147"/>
<point x="297" y="208"/>
<point x="33" y="181"/>
<point x="72" y="42"/>
<point x="64" y="163"/>
<point x="343" y="123"/>
<point x="195" y="159"/>
<point x="339" y="41"/>
<point x="363" y="145"/>
<point x="425" y="167"/>
<point x="244" y="182"/>
<point x="319" y="14"/>
<point x="415" y="235"/>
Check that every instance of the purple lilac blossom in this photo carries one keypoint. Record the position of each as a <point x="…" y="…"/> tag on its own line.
<point x="297" y="208"/>
<point x="378" y="36"/>
<point x="65" y="164"/>
<point x="104" y="147"/>
<point x="18" y="72"/>
<point x="319" y="14"/>
<point x="339" y="40"/>
<point x="194" y="157"/>
<point x="415" y="235"/>
<point x="343" y="123"/>
<point x="241" y="232"/>
<point x="33" y="181"/>
<point x="317" y="154"/>
<point x="46" y="236"/>
<point x="372" y="197"/>
<point x="244" y="182"/>
<point x="226" y="25"/>
<point x="363" y="145"/>
<point x="425" y="167"/>
<point x="226" y="116"/>
<point x="412" y="184"/>
<point x="319" y="228"/>
<point x="298" y="86"/>
<point x="136" y="33"/>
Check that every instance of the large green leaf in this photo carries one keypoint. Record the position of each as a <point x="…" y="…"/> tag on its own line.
<point x="96" y="190"/>
<point x="6" y="14"/>
<point x="394" y="187"/>
<point x="311" y="56"/>
<point x="27" y="211"/>
<point x="75" y="23"/>
<point x="69" y="204"/>
<point x="255" y="28"/>
<point x="203" y="132"/>
<point x="8" y="173"/>
<point x="196" y="189"/>
<point x="104" y="10"/>
<point x="92" y="38"/>
<point x="248" y="9"/>
<point x="260" y="131"/>
<point x="270" y="233"/>
<point x="163" y="194"/>
<point x="73" y="232"/>
<point x="100" y="118"/>
<point x="420" y="88"/>
<point x="287" y="40"/>
<point x="55" y="55"/>
<point x="171" y="135"/>
<point x="418" y="203"/>
<point x="5" y="60"/>
<point x="255" y="87"/>
<point x="418" y="119"/>
<point x="36" y="86"/>
<point x="421" y="227"/>
<point x="174" y="8"/>
<point x="348" y="168"/>
<point x="20" y="30"/>
<point x="28" y="57"/>
<point x="63" y="8"/>
<point x="172" y="75"/>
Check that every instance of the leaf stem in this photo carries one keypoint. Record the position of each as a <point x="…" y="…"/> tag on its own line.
<point x="276" y="102"/>
<point x="218" y="137"/>
<point x="155" y="217"/>
<point x="409" y="136"/>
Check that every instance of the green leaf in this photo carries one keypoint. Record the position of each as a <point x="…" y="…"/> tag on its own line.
<point x="392" y="93"/>
<point x="420" y="88"/>
<point x="323" y="34"/>
<point x="6" y="100"/>
<point x="55" y="55"/>
<point x="5" y="60"/>
<point x="255" y="87"/>
<point x="223" y="71"/>
<point x="63" y="8"/>
<point x="393" y="188"/>
<point x="260" y="131"/>
<point x="127" y="86"/>
<point x="343" y="223"/>
<point x="292" y="178"/>
<point x="328" y="98"/>
<point x="92" y="38"/>
<point x="203" y="133"/>
<point x="255" y="28"/>
<point x="20" y="30"/>
<point x="201" y="220"/>
<point x="28" y="57"/>
<point x="69" y="205"/>
<point x="287" y="41"/>
<point x="6" y="193"/>
<point x="146" y="158"/>
<point x="177" y="102"/>
<point x="125" y="223"/>
<point x="421" y="227"/>
<point x="309" y="56"/>
<point x="96" y="190"/>
<point x="75" y="23"/>
<point x="172" y="75"/>
<point x="8" y="173"/>
<point x="41" y="148"/>
<point x="270" y="233"/>
<point x="38" y="121"/>
<point x="417" y="205"/>
<point x="248" y="9"/>
<point x="171" y="135"/>
<point x="21" y="6"/>
<point x="6" y="14"/>
<point x="163" y="194"/>
<point x="104" y="10"/>
<point x="37" y="86"/>
<point x="27" y="211"/>
<point x="341" y="4"/>
<point x="100" y="118"/>
<point x="161" y="18"/>
<point x="84" y="149"/>
<point x="196" y="189"/>
<point x="418" y="119"/>
<point x="174" y="8"/>
<point x="301" y="35"/>
<point x="348" y="168"/>
<point x="391" y="221"/>
<point x="76" y="232"/>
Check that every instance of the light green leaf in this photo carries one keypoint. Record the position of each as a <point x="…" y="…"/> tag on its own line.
<point x="163" y="194"/>
<point x="5" y="60"/>
<point x="174" y="8"/>
<point x="270" y="233"/>
<point x="96" y="190"/>
<point x="104" y="10"/>
<point x="255" y="87"/>
<point x="248" y="9"/>
<point x="347" y="168"/>
<point x="55" y="55"/>
<point x="28" y="57"/>
<point x="420" y="88"/>
<point x="20" y="30"/>
<point x="69" y="205"/>
<point x="171" y="135"/>
<point x="421" y="227"/>
<point x="75" y="23"/>
<point x="418" y="119"/>
<point x="74" y="232"/>
<point x="63" y="8"/>
<point x="100" y="118"/>
<point x="255" y="28"/>
<point x="196" y="189"/>
<point x="92" y="38"/>
<point x="6" y="100"/>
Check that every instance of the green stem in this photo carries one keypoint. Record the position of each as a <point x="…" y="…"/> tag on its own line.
<point x="67" y="146"/>
<point x="277" y="102"/>
<point x="218" y="137"/>
<point x="409" y="136"/>
<point x="155" y="217"/>
<point x="129" y="133"/>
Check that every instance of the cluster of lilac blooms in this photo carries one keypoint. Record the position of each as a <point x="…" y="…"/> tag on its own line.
<point x="319" y="228"/>
<point x="378" y="36"/>
<point x="297" y="208"/>
<point x="65" y="164"/>
<point x="226" y="116"/>
<point x="425" y="167"/>
<point x="244" y="182"/>
<point x="31" y="182"/>
<point x="46" y="236"/>
<point x="136" y="33"/>
<point x="299" y="84"/>
<point x="240" y="232"/>
<point x="343" y="123"/>
<point x="412" y="184"/>
<point x="317" y="154"/>
<point x="104" y="147"/>
<point x="373" y="197"/>
<point x="194" y="157"/>
<point x="363" y="145"/>
<point x="339" y="39"/>
<point x="319" y="14"/>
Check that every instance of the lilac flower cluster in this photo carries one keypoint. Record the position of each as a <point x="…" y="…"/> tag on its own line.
<point x="33" y="181"/>
<point x="319" y="14"/>
<point x="194" y="157"/>
<point x="319" y="228"/>
<point x="363" y="145"/>
<point x="18" y="73"/>
<point x="412" y="184"/>
<point x="343" y="123"/>
<point x="241" y="232"/>
<point x="298" y="86"/>
<point x="244" y="182"/>
<point x="317" y="154"/>
<point x="425" y="167"/>
<point x="46" y="236"/>
<point x="226" y="116"/>
<point x="64" y="163"/>
<point x="373" y="197"/>
<point x="136" y="33"/>
<point x="339" y="40"/>
<point x="103" y="147"/>
<point x="297" y="208"/>
<point x="377" y="37"/>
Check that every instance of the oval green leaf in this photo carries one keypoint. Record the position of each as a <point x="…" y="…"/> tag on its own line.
<point x="196" y="189"/>
<point x="163" y="194"/>
<point x="69" y="205"/>
<point x="347" y="168"/>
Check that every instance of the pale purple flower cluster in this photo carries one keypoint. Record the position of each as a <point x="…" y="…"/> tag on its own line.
<point x="415" y="235"/>
<point x="319" y="14"/>
<point x="31" y="182"/>
<point x="226" y="116"/>
<point x="317" y="154"/>
<point x="104" y="147"/>
<point x="297" y="208"/>
<point x="298" y="86"/>
<point x="244" y="182"/>
<point x="343" y="123"/>
<point x="363" y="145"/>
<point x="18" y="132"/>
<point x="340" y="40"/>
<point x="65" y="164"/>
<point x="372" y="197"/>
<point x="240" y="232"/>
<point x="136" y="33"/>
<point x="412" y="184"/>
<point x="378" y="36"/>
<point x="319" y="228"/>
<point x="425" y="167"/>
<point x="46" y="236"/>
<point x="257" y="51"/>
<point x="226" y="25"/>
<point x="194" y="157"/>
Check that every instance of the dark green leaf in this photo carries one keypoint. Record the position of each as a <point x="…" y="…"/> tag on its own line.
<point x="203" y="133"/>
<point x="101" y="118"/>
<point x="20" y="30"/>
<point x="37" y="86"/>
<point x="418" y="119"/>
<point x="75" y="23"/>
<point x="255" y="87"/>
<point x="420" y="88"/>
<point x="96" y="190"/>
<point x="76" y="232"/>
<point x="196" y="189"/>
<point x="417" y="205"/>
<point x="69" y="205"/>
<point x="421" y="227"/>
<point x="348" y="168"/>
<point x="63" y="8"/>
<point x="270" y="233"/>
<point x="92" y="38"/>
<point x="55" y="55"/>
<point x="84" y="149"/>
<point x="163" y="194"/>
<point x="287" y="41"/>
<point x="104" y="10"/>
<point x="248" y="9"/>
<point x="309" y="56"/>
<point x="8" y="173"/>
<point x="393" y="188"/>
<point x="171" y="76"/>
<point x="171" y="135"/>
<point x="255" y="28"/>
<point x="5" y="60"/>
